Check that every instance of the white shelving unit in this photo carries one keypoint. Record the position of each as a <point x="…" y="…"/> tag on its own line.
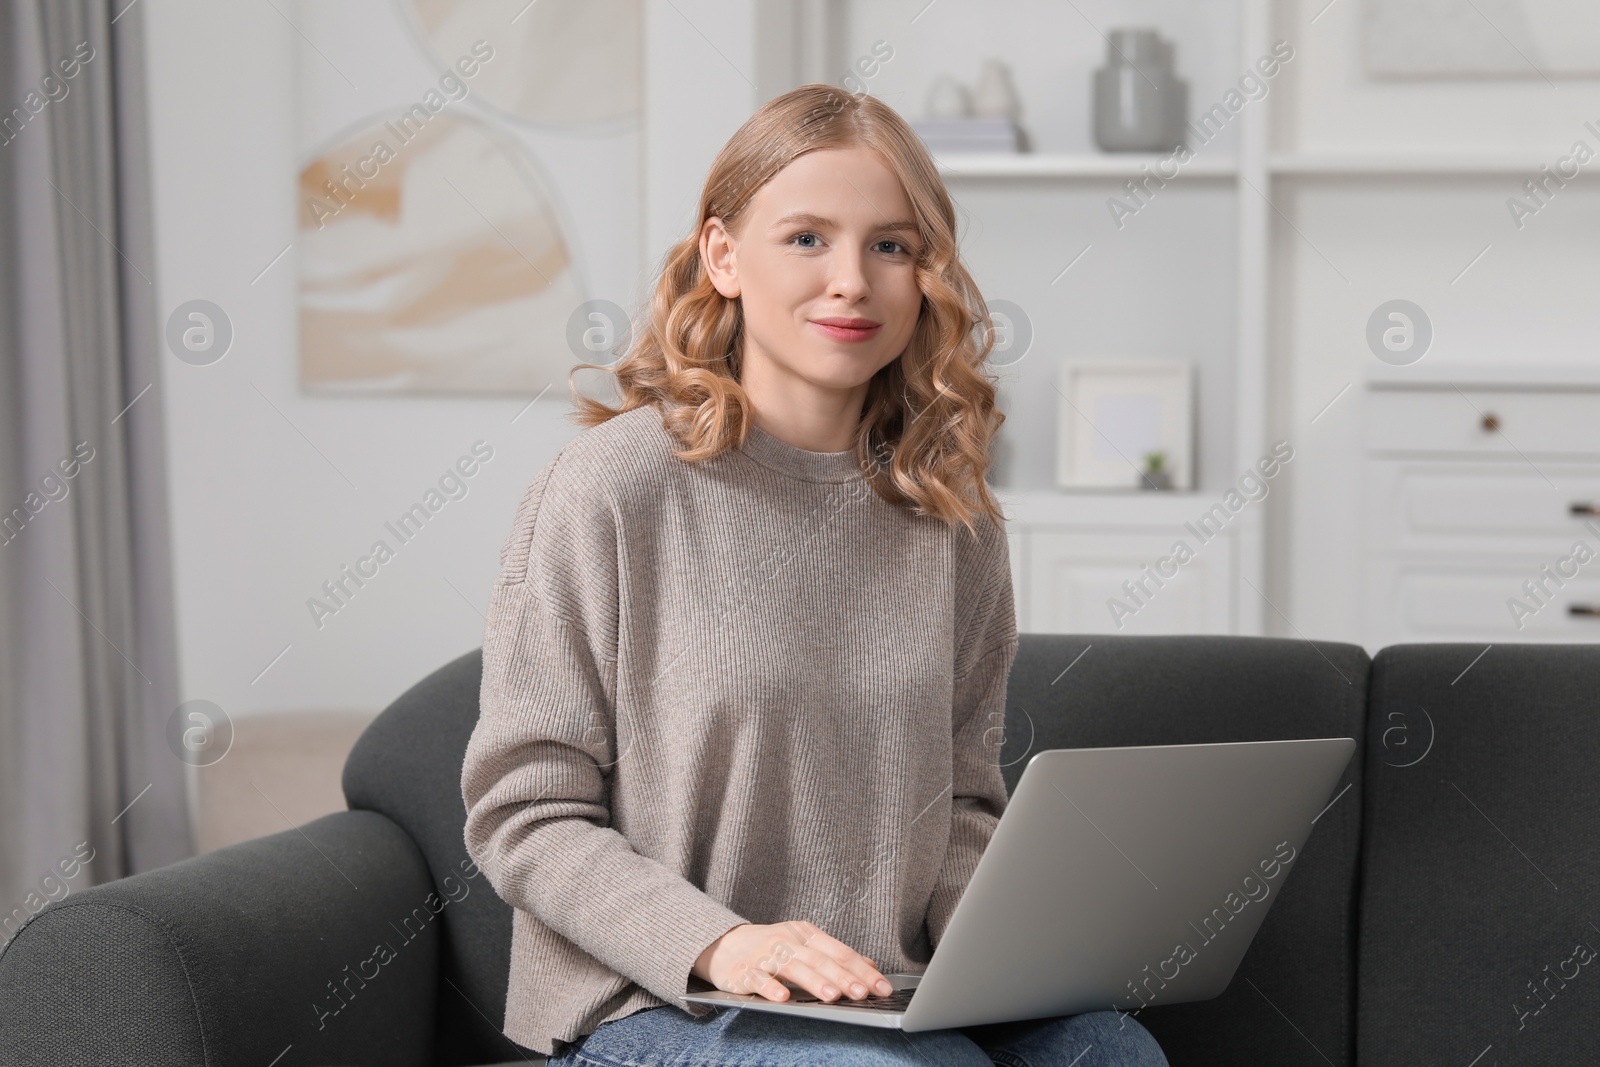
<point x="1260" y="262"/>
<point x="1072" y="551"/>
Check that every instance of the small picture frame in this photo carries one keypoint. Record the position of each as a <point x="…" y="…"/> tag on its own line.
<point x="1115" y="413"/>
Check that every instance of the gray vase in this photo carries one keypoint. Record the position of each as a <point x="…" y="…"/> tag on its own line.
<point x="1140" y="105"/>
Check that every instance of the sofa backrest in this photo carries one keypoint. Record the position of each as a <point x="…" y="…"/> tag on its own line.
<point x="1481" y="856"/>
<point x="1293" y="998"/>
<point x="1296" y="985"/>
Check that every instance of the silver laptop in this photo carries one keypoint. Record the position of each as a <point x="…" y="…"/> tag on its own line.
<point x="1117" y="878"/>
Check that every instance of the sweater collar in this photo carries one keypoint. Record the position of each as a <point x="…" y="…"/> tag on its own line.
<point x="779" y="455"/>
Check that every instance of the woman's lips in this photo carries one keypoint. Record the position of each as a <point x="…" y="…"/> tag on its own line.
<point x="844" y="333"/>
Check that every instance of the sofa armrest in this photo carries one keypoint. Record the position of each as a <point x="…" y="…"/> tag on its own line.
<point x="312" y="946"/>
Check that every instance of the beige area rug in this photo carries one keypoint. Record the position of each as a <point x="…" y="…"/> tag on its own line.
<point x="283" y="771"/>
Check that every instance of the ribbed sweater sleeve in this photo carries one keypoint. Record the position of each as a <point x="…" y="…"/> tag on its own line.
<point x="978" y="791"/>
<point x="536" y="780"/>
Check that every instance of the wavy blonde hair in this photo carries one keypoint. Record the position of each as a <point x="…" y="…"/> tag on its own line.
<point x="929" y="417"/>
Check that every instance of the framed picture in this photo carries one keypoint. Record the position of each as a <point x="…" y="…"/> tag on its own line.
<point x="1481" y="38"/>
<point x="469" y="186"/>
<point x="1126" y="424"/>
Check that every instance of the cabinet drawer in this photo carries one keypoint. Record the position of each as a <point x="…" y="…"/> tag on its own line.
<point x="1530" y="422"/>
<point x="1495" y="507"/>
<point x="1418" y="602"/>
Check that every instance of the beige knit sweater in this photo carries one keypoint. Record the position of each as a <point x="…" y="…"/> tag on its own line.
<point x="748" y="690"/>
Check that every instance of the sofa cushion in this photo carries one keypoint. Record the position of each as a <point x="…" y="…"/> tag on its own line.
<point x="1292" y="1000"/>
<point x="1481" y="861"/>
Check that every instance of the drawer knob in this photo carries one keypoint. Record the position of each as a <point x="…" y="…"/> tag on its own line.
<point x="1580" y="508"/>
<point x="1491" y="422"/>
<point x="1587" y="610"/>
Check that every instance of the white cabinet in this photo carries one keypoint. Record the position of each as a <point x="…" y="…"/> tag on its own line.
<point x="1086" y="582"/>
<point x="1482" y="510"/>
<point x="1104" y="563"/>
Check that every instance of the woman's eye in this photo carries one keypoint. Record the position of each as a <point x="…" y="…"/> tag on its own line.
<point x="895" y="247"/>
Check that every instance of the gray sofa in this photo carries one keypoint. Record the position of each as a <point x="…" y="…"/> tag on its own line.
<point x="1444" y="911"/>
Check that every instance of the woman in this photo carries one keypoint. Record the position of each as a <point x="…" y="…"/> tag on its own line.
<point x="747" y="654"/>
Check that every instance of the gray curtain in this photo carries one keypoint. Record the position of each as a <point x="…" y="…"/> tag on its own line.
<point x="88" y="664"/>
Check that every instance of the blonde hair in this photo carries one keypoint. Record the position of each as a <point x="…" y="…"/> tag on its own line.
<point x="929" y="417"/>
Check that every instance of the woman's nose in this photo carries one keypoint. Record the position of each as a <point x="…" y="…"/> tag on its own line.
<point x="849" y="277"/>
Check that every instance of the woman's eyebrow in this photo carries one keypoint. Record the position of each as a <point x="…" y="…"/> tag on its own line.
<point x="805" y="218"/>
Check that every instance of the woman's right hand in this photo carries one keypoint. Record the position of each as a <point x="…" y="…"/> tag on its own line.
<point x="751" y="957"/>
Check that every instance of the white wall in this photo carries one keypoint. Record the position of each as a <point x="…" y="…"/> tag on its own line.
<point x="700" y="86"/>
<point x="273" y="490"/>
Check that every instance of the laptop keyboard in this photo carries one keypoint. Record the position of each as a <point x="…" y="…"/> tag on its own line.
<point x="899" y="1000"/>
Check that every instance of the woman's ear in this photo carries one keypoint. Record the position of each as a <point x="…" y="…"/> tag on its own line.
<point x="717" y="256"/>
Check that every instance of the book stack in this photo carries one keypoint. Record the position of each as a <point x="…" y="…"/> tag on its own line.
<point x="968" y="134"/>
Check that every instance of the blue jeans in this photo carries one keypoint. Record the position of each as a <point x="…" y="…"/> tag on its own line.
<point x="668" y="1036"/>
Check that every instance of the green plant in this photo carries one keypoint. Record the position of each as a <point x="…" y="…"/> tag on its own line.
<point x="1155" y="462"/>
